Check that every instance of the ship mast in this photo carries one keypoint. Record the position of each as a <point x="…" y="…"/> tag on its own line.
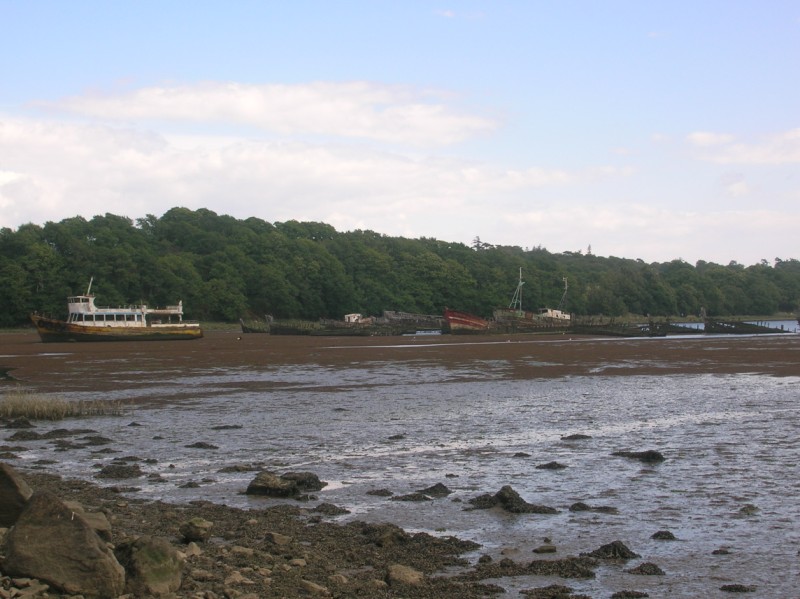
<point x="516" y="300"/>
<point x="564" y="296"/>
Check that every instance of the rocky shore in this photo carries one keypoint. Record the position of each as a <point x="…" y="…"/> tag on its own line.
<point x="72" y="539"/>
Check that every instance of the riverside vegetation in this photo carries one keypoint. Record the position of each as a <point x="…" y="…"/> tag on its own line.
<point x="225" y="269"/>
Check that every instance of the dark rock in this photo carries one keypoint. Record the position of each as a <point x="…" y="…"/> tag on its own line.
<point x="25" y="435"/>
<point x="646" y="569"/>
<point x="196" y="529"/>
<point x="120" y="471"/>
<point x="95" y="440"/>
<point x="551" y="466"/>
<point x="226" y="427"/>
<point x="508" y="499"/>
<point x="291" y="484"/>
<point x="330" y="509"/>
<point x="202" y="445"/>
<point x="650" y="456"/>
<point x="385" y="535"/>
<point x="663" y="535"/>
<point x="20" y="423"/>
<point x="437" y="490"/>
<point x="601" y="509"/>
<point x="58" y="546"/>
<point x="737" y="588"/>
<point x="14" y="494"/>
<point x="554" y="591"/>
<point x="613" y="550"/>
<point x="547" y="548"/>
<point x="721" y="551"/>
<point x="629" y="595"/>
<point x="411" y="497"/>
<point x="152" y="565"/>
<point x="380" y="492"/>
<point x="397" y="437"/>
<point x="576" y="437"/>
<point x="521" y="454"/>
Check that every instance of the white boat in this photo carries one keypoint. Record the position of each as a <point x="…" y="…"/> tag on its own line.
<point x="87" y="322"/>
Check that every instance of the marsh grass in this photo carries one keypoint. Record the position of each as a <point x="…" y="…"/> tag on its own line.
<point x="19" y="403"/>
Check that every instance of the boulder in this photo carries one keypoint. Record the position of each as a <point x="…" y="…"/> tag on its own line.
<point x="401" y="574"/>
<point x="272" y="485"/>
<point x="290" y="484"/>
<point x="650" y="456"/>
<point x="196" y="529"/>
<point x="59" y="547"/>
<point x="153" y="566"/>
<point x="613" y="550"/>
<point x="508" y="499"/>
<point x="14" y="494"/>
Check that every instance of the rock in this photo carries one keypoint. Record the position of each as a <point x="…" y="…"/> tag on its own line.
<point x="417" y="496"/>
<point x="437" y="490"/>
<point x="663" y="535"/>
<point x="276" y="538"/>
<point x="509" y="500"/>
<point x="314" y="589"/>
<point x="153" y="566"/>
<point x="547" y="548"/>
<point x="120" y="471"/>
<point x="399" y="574"/>
<point x="202" y="445"/>
<point x="385" y="535"/>
<point x="330" y="509"/>
<point x="196" y="529"/>
<point x="14" y="494"/>
<point x="629" y="595"/>
<point x="553" y="591"/>
<point x="97" y="520"/>
<point x="613" y="550"/>
<point x="380" y="492"/>
<point x="576" y="437"/>
<point x="290" y="484"/>
<point x="601" y="509"/>
<point x="737" y="588"/>
<point x="650" y="456"/>
<point x="551" y="466"/>
<point x="305" y="481"/>
<point x="58" y="546"/>
<point x="646" y="569"/>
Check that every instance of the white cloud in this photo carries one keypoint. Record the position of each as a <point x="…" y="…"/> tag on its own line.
<point x="776" y="149"/>
<point x="705" y="138"/>
<point x="363" y="110"/>
<point x="70" y="169"/>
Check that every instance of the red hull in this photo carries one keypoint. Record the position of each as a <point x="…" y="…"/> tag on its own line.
<point x="462" y="321"/>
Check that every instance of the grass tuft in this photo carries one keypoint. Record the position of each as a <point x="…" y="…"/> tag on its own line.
<point x="25" y="404"/>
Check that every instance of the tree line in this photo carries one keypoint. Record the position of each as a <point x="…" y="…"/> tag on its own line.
<point x="225" y="268"/>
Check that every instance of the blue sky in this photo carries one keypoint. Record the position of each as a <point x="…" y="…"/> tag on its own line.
<point x="639" y="130"/>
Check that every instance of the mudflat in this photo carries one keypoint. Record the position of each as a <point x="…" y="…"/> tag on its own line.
<point x="51" y="366"/>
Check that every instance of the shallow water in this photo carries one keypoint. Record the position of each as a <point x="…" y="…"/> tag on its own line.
<point x="731" y="477"/>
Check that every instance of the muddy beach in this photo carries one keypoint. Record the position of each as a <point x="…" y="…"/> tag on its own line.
<point x="346" y="547"/>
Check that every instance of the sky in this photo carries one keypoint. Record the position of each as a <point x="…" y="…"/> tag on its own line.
<point x="646" y="130"/>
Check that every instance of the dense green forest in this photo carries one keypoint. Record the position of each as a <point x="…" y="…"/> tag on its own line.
<point x="224" y="269"/>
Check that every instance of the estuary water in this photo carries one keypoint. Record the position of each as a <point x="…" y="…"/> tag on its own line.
<point x="399" y="416"/>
